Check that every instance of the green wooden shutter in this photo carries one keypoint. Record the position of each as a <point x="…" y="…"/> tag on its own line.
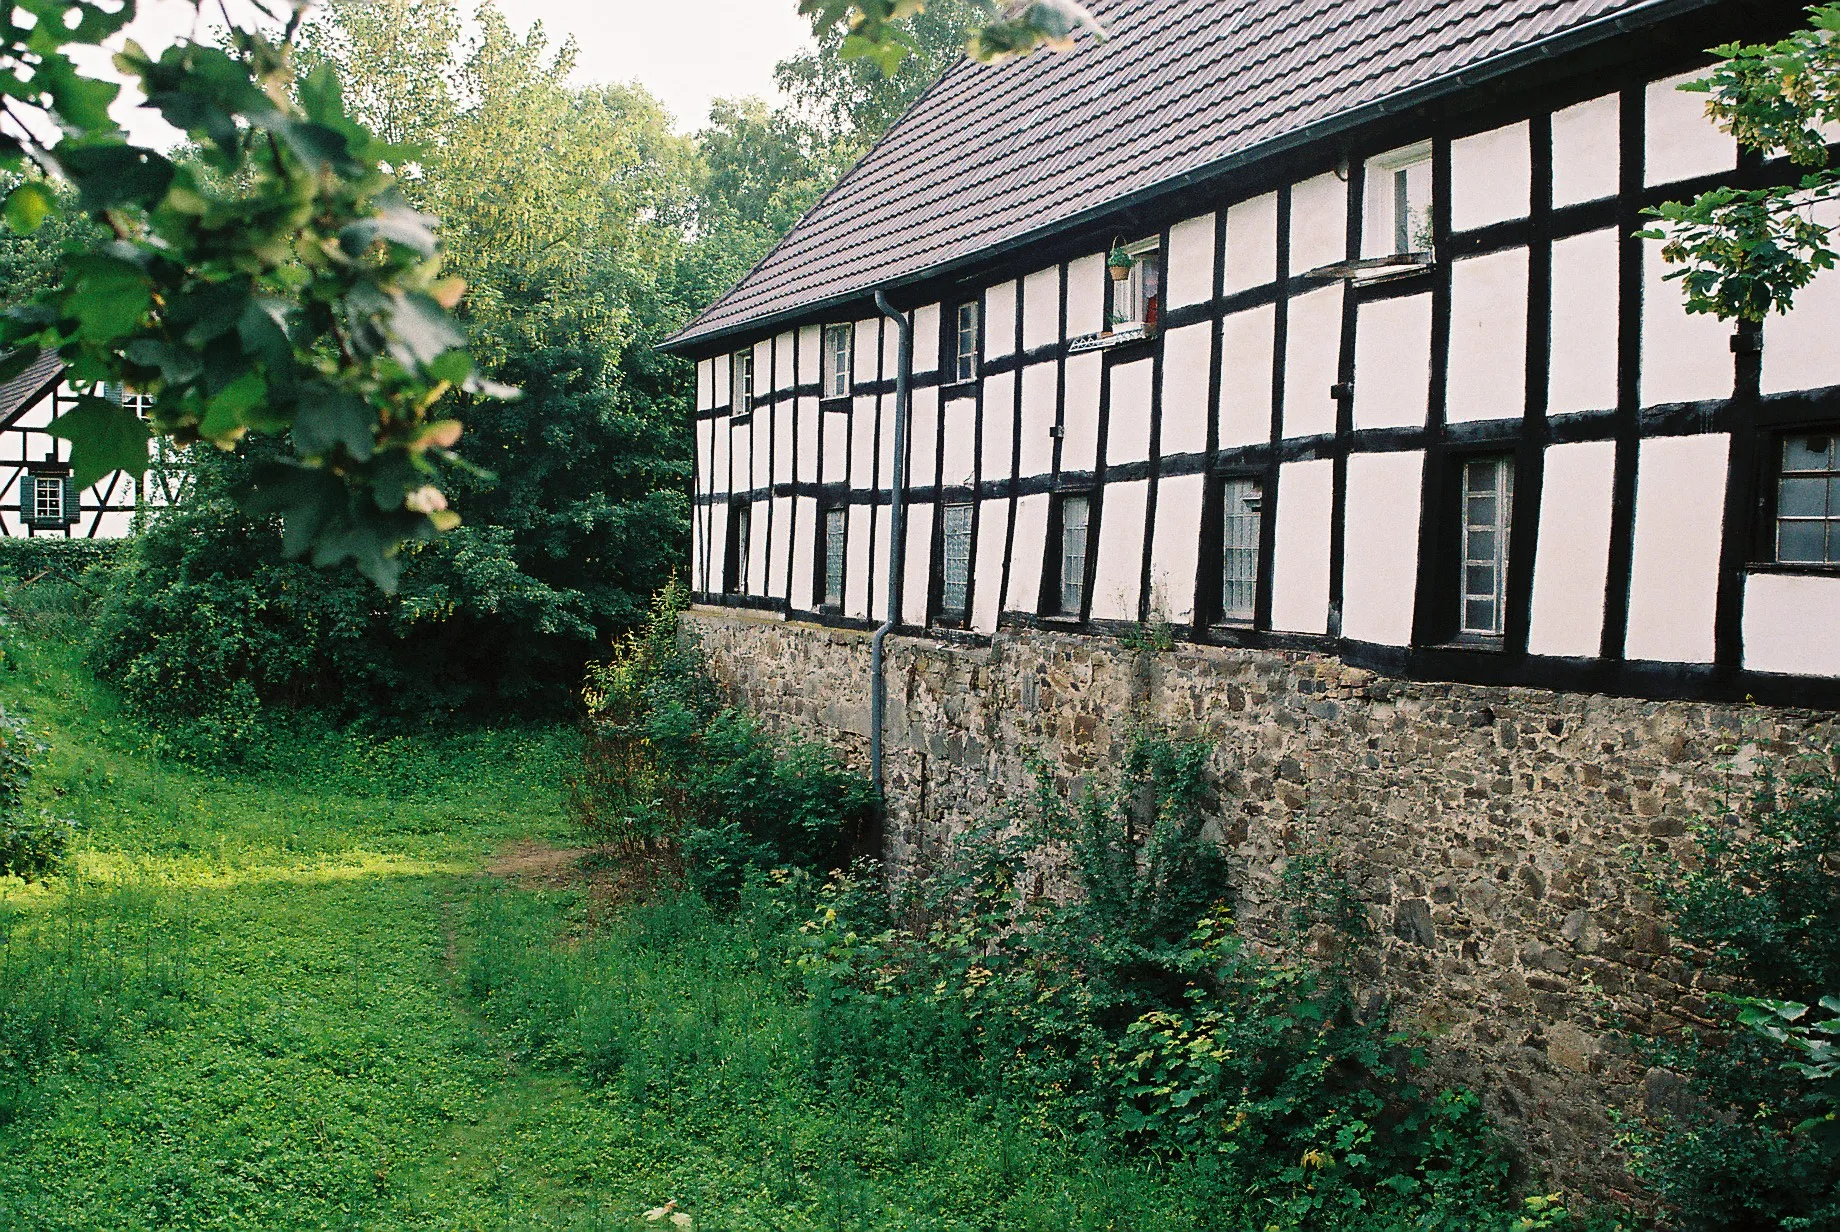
<point x="73" y="501"/>
<point x="26" y="493"/>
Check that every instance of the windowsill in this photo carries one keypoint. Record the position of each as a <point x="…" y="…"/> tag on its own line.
<point x="1231" y="626"/>
<point x="1062" y="618"/>
<point x="740" y="417"/>
<point x="1810" y="569"/>
<point x="1120" y="335"/>
<point x="837" y="402"/>
<point x="959" y="389"/>
<point x="1484" y="642"/>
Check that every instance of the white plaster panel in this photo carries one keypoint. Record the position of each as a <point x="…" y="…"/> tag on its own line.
<point x="1118" y="573"/>
<point x="1186" y="356"/>
<point x="1300" y="552"/>
<point x="867" y="343"/>
<point x="705" y="384"/>
<point x="763" y="373"/>
<point x="705" y="453"/>
<point x="1188" y="274"/>
<point x="1038" y="410"/>
<point x="959" y="456"/>
<point x="836" y="443"/>
<point x="1080" y="442"/>
<point x="1041" y="308"/>
<point x="856" y="563"/>
<point x="759" y="541"/>
<point x="784" y="442"/>
<point x="1491" y="177"/>
<point x="724" y="390"/>
<point x="1682" y="141"/>
<point x="1792" y="624"/>
<point x="862" y="443"/>
<point x="804" y="543"/>
<point x="917" y="567"/>
<point x="998" y="433"/>
<point x="1674" y="576"/>
<point x="699" y="524"/>
<point x="884" y="474"/>
<point x="808" y="438"/>
<point x="1246" y="343"/>
<point x="1000" y="320"/>
<point x="926" y="338"/>
<point x="1801" y="350"/>
<point x="1252" y="243"/>
<point x="1380" y="557"/>
<point x="741" y="464"/>
<point x="1174" y="548"/>
<point x="723" y="437"/>
<point x="878" y="567"/>
<point x="1573" y="559"/>
<point x="1685" y="356"/>
<point x="810" y="338"/>
<point x="891" y="351"/>
<point x="1086" y="280"/>
<point x="1586" y="142"/>
<point x="1487" y="377"/>
<point x="718" y="546"/>
<point x="1127" y="433"/>
<point x="1392" y="362"/>
<point x="1027" y="553"/>
<point x="1312" y="356"/>
<point x="923" y="439"/>
<point x="987" y="565"/>
<point x="783" y="345"/>
<point x="779" y="547"/>
<point x="1582" y="375"/>
<point x="1319" y="222"/>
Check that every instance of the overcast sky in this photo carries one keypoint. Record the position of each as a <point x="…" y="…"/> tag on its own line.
<point x="685" y="54"/>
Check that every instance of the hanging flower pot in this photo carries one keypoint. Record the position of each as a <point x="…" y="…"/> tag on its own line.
<point x="1119" y="263"/>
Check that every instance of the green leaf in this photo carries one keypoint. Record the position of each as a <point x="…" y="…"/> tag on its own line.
<point x="27" y="206"/>
<point x="112" y="175"/>
<point x="109" y="296"/>
<point x="328" y="417"/>
<point x="227" y="413"/>
<point x="104" y="437"/>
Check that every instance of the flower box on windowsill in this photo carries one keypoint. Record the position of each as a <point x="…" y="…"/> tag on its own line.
<point x="1124" y="335"/>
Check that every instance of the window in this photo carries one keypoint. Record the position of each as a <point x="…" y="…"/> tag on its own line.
<point x="1399" y="202"/>
<point x="741" y="375"/>
<point x="47" y="500"/>
<point x="1070" y="573"/>
<point x="834" y="363"/>
<point x="836" y="526"/>
<point x="1239" y="548"/>
<point x="1808" y="500"/>
<point x="955" y="558"/>
<point x="735" y="568"/>
<point x="1135" y="297"/>
<point x="965" y="366"/>
<point x="1488" y="499"/>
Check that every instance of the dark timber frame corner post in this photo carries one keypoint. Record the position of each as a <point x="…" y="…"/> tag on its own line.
<point x="897" y="545"/>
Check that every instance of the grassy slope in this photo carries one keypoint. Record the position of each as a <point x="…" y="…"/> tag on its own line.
<point x="321" y="1064"/>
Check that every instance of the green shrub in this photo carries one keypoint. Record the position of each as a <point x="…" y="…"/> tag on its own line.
<point x="30" y="845"/>
<point x="1762" y="904"/>
<point x="668" y="763"/>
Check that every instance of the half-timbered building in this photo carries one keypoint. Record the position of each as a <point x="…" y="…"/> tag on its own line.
<point x="38" y="496"/>
<point x="1380" y="364"/>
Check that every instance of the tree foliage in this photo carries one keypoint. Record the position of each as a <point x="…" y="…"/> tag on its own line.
<point x="1744" y="253"/>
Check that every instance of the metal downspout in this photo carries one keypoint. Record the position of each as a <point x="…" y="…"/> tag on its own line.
<point x="897" y="547"/>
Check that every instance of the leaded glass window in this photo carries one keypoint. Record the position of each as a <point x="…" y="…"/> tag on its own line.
<point x="836" y="523"/>
<point x="1488" y="499"/>
<point x="1239" y="548"/>
<point x="1808" y="500"/>
<point x="955" y="557"/>
<point x="965" y="368"/>
<point x="1075" y="512"/>
<point x="834" y="363"/>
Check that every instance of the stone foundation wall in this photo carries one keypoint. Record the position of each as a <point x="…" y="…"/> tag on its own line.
<point x="1492" y="833"/>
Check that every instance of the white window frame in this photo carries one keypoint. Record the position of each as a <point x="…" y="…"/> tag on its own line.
<point x="1071" y="601"/>
<point x="1819" y="487"/>
<point x="1130" y="296"/>
<point x="52" y="512"/>
<point x="965" y="356"/>
<point x="954" y="558"/>
<point x="1241" y="514"/>
<point x="741" y="382"/>
<point x="1395" y="179"/>
<point x="836" y="361"/>
<point x="741" y="540"/>
<point x="1482" y="577"/>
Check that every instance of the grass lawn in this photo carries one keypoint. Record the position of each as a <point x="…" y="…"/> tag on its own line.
<point x="295" y="998"/>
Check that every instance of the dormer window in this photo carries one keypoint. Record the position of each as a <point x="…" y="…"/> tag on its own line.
<point x="1399" y="202"/>
<point x="1136" y="296"/>
<point x="834" y="362"/>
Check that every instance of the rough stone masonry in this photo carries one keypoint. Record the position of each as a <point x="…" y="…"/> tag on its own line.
<point x="1492" y="834"/>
